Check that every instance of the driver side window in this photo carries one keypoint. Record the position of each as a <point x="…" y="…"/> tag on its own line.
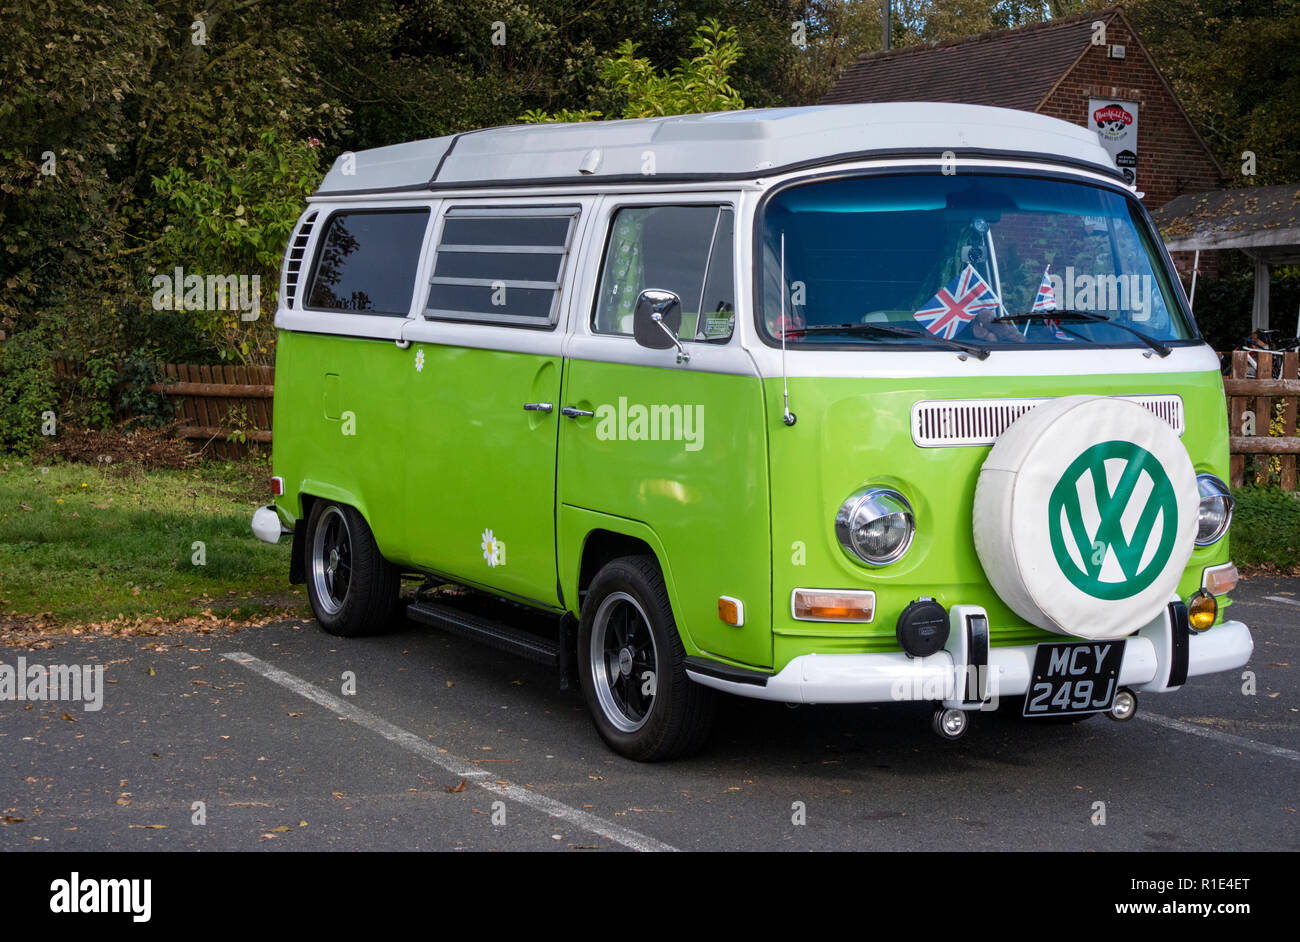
<point x="683" y="249"/>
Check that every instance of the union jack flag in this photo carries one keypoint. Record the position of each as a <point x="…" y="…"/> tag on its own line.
<point x="1045" y="300"/>
<point x="957" y="303"/>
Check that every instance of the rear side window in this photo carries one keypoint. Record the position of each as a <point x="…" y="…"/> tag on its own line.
<point x="683" y="249"/>
<point x="366" y="262"/>
<point x="503" y="265"/>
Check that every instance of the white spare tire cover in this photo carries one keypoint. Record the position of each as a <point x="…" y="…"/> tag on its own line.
<point x="1085" y="516"/>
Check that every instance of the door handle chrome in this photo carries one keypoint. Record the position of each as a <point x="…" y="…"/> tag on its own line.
<point x="538" y="407"/>
<point x="575" y="413"/>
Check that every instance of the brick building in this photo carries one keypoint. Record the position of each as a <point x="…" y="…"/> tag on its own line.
<point x="1068" y="68"/>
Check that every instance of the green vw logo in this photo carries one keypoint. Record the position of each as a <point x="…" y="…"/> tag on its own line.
<point x="1104" y="562"/>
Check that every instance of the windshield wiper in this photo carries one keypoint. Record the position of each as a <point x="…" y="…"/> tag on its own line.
<point x="1084" y="317"/>
<point x="975" y="350"/>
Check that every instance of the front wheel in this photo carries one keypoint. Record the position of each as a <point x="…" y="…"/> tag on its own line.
<point x="352" y="588"/>
<point x="633" y="666"/>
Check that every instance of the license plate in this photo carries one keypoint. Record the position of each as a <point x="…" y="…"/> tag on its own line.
<point x="1074" y="677"/>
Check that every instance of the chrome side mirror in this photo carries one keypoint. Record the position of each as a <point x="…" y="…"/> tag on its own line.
<point x="657" y="320"/>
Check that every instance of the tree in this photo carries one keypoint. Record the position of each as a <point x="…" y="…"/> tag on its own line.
<point x="696" y="85"/>
<point x="1234" y="66"/>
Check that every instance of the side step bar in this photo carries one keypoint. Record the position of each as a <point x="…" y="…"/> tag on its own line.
<point x="499" y="635"/>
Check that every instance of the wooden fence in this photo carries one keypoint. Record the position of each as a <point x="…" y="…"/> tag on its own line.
<point x="219" y="405"/>
<point x="223" y="410"/>
<point x="1265" y="408"/>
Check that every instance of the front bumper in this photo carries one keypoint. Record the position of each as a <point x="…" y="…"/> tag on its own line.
<point x="970" y="675"/>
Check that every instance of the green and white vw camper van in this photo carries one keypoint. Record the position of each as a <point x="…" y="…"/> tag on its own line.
<point x="849" y="404"/>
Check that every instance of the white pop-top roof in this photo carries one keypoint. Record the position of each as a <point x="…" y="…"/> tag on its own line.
<point x="725" y="144"/>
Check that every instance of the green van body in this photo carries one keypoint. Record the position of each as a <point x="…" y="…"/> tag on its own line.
<point x="714" y="532"/>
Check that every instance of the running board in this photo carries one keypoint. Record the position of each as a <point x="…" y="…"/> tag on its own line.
<point x="497" y="634"/>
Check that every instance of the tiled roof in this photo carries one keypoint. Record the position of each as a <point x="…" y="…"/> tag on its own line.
<point x="1251" y="217"/>
<point x="1011" y="68"/>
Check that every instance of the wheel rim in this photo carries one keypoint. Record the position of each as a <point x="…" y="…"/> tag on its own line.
<point x="622" y="653"/>
<point x="331" y="560"/>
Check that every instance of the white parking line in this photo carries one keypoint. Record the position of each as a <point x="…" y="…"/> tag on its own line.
<point x="1278" y="598"/>
<point x="1183" y="727"/>
<point x="413" y="743"/>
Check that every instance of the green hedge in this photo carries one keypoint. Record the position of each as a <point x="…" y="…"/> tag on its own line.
<point x="1266" y="527"/>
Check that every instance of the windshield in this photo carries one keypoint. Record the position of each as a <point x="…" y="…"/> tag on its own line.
<point x="983" y="259"/>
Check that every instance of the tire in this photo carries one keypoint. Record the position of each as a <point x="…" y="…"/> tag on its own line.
<point x="628" y="645"/>
<point x="352" y="588"/>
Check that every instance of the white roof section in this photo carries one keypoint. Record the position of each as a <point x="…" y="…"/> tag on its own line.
<point x="724" y="144"/>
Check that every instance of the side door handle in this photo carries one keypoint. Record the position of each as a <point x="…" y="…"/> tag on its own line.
<point x="538" y="407"/>
<point x="573" y="413"/>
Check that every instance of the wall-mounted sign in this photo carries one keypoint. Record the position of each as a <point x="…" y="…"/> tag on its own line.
<point x="1116" y="123"/>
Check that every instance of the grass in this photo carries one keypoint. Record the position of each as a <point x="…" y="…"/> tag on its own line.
<point x="82" y="545"/>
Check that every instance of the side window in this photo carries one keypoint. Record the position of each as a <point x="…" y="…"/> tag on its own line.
<point x="367" y="261"/>
<point x="504" y="266"/>
<point x="683" y="249"/>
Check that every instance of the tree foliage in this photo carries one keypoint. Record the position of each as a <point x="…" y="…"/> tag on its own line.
<point x="1235" y="67"/>
<point x="697" y="85"/>
<point x="132" y="133"/>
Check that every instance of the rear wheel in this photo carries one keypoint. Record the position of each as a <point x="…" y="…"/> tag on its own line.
<point x="633" y="666"/>
<point x="352" y="588"/>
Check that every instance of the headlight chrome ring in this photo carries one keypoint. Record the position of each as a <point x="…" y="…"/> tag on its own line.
<point x="1214" y="514"/>
<point x="875" y="526"/>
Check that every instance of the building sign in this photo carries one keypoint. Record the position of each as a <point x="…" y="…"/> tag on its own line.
<point x="1116" y="123"/>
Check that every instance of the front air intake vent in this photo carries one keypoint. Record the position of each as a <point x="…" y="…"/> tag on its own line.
<point x="938" y="423"/>
<point x="293" y="259"/>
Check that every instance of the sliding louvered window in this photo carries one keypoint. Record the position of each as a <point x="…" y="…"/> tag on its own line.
<point x="501" y="265"/>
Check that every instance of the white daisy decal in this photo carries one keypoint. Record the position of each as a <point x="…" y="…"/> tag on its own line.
<point x="491" y="549"/>
<point x="419" y="361"/>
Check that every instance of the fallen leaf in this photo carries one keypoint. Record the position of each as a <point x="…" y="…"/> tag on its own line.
<point x="457" y="789"/>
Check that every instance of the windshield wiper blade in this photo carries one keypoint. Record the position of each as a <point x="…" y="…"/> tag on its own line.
<point x="892" y="330"/>
<point x="1084" y="317"/>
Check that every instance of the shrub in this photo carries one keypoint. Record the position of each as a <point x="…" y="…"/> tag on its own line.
<point x="27" y="389"/>
<point x="1266" y="527"/>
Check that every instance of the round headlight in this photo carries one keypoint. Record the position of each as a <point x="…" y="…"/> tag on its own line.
<point x="875" y="526"/>
<point x="1215" y="515"/>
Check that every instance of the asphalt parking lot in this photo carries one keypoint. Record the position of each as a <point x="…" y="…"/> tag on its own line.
<point x="249" y="741"/>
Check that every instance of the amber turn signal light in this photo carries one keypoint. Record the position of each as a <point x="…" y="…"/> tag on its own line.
<point x="1202" y="609"/>
<point x="833" y="605"/>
